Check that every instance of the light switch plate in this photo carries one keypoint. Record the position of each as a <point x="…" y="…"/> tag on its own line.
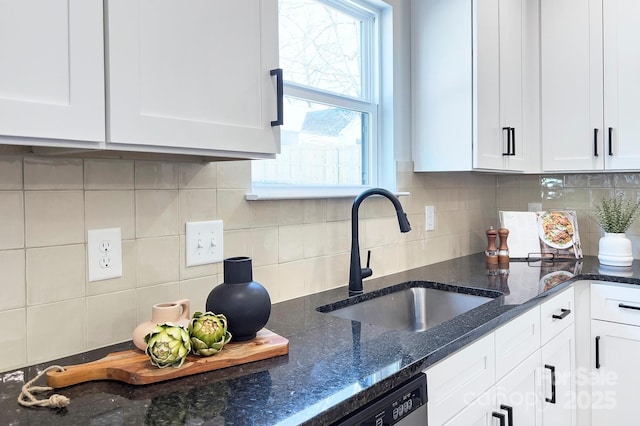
<point x="204" y="242"/>
<point x="430" y="218"/>
<point x="104" y="253"/>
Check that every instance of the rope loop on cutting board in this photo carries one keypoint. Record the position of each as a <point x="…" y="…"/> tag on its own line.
<point x="27" y="399"/>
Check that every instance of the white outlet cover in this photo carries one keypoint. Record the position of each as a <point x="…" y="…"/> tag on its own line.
<point x="104" y="253"/>
<point x="430" y="218"/>
<point x="204" y="242"/>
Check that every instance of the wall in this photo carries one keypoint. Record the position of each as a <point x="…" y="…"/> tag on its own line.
<point x="49" y="309"/>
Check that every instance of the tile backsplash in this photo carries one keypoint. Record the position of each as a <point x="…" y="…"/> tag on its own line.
<point x="573" y="192"/>
<point x="298" y="247"/>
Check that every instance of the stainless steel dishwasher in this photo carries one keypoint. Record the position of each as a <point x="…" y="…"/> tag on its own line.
<point x="405" y="405"/>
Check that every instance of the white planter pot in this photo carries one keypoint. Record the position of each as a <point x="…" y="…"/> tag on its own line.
<point x="615" y="250"/>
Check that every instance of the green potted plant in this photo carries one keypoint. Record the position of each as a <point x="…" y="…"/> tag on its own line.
<point x="615" y="215"/>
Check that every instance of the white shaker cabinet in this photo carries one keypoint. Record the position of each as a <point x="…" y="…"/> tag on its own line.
<point x="590" y="83"/>
<point x="194" y="75"/>
<point x="615" y="344"/>
<point x="474" y="79"/>
<point x="621" y="84"/>
<point x="559" y="379"/>
<point x="512" y="401"/>
<point x="52" y="72"/>
<point x="614" y="393"/>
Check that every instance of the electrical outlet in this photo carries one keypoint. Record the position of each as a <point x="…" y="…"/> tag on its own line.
<point x="430" y="218"/>
<point x="204" y="242"/>
<point x="104" y="253"/>
<point x="534" y="207"/>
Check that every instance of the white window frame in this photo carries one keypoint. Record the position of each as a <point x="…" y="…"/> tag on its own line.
<point x="381" y="167"/>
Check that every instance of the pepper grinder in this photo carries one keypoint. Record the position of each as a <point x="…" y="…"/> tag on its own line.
<point x="503" y="249"/>
<point x="492" y="251"/>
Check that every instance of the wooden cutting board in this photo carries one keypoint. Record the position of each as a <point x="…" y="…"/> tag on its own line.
<point x="134" y="366"/>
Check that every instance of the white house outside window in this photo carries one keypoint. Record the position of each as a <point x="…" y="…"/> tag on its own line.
<point x="329" y="54"/>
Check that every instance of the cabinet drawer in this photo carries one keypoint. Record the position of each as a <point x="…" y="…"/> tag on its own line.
<point x="461" y="378"/>
<point x="556" y="314"/>
<point x="615" y="303"/>
<point x="516" y="340"/>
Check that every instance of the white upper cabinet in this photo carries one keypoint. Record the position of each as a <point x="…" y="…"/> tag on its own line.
<point x="194" y="75"/>
<point x="590" y="84"/>
<point x="475" y="79"/>
<point x="179" y="77"/>
<point x="498" y="84"/>
<point x="52" y="72"/>
<point x="621" y="84"/>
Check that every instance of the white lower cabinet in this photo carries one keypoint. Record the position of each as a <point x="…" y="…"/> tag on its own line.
<point x="558" y="379"/>
<point x="517" y="394"/>
<point x="460" y="379"/>
<point x="615" y="379"/>
<point x="512" y="376"/>
<point x="512" y="401"/>
<point x="614" y="354"/>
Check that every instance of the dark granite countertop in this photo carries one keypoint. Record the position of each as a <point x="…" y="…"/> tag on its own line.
<point x="333" y="366"/>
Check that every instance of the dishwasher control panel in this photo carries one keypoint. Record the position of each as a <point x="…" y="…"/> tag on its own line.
<point x="393" y="407"/>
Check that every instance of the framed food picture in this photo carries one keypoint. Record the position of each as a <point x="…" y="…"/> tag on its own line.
<point x="542" y="234"/>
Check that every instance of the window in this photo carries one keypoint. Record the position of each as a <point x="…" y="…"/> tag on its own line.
<point x="329" y="55"/>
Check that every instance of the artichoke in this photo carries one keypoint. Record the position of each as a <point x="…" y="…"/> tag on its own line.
<point x="208" y="333"/>
<point x="168" y="345"/>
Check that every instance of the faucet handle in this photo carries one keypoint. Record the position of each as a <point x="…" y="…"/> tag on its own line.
<point x="367" y="272"/>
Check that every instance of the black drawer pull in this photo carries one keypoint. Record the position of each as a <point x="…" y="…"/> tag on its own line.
<point x="622" y="305"/>
<point x="513" y="140"/>
<point x="595" y="142"/>
<point x="563" y="314"/>
<point x="552" y="400"/>
<point x="499" y="416"/>
<point x="610" y="140"/>
<point x="509" y="411"/>
<point x="280" y="97"/>
<point x="508" y="130"/>
<point x="597" y="351"/>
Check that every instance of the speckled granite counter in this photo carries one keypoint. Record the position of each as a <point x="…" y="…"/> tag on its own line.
<point x="333" y="366"/>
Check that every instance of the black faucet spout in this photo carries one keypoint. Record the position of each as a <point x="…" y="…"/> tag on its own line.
<point x="356" y="272"/>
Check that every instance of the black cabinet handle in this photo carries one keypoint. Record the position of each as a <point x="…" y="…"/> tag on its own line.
<point x="508" y="130"/>
<point x="500" y="417"/>
<point x="513" y="140"/>
<point x="610" y="140"/>
<point x="597" y="351"/>
<point x="552" y="400"/>
<point x="622" y="305"/>
<point x="280" y="97"/>
<point x="595" y="142"/>
<point x="563" y="314"/>
<point x="509" y="411"/>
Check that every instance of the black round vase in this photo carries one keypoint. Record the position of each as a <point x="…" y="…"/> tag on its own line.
<point x="244" y="302"/>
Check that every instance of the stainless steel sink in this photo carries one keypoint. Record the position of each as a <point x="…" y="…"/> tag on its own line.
<point x="410" y="309"/>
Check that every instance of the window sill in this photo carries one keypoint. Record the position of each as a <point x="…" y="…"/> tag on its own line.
<point x="305" y="193"/>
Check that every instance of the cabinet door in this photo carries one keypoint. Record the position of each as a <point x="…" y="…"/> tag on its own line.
<point x="194" y="74"/>
<point x="498" y="84"/>
<point x="571" y="79"/>
<point x="460" y="379"/>
<point x="52" y="72"/>
<point x="558" y="379"/>
<point x="479" y="412"/>
<point x="517" y="393"/>
<point x="621" y="83"/>
<point x="441" y="83"/>
<point x="614" y="356"/>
